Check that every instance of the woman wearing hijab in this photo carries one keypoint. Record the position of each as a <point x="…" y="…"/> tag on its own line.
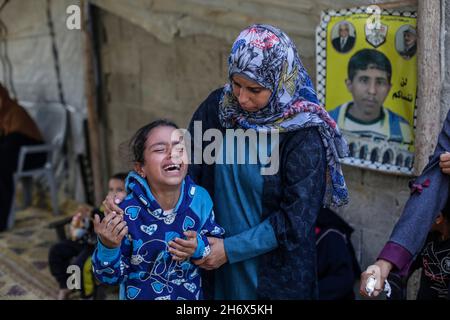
<point x="269" y="247"/>
<point x="17" y="129"/>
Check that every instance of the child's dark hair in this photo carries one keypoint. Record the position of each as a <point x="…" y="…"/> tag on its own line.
<point x="119" y="176"/>
<point x="137" y="143"/>
<point x="366" y="58"/>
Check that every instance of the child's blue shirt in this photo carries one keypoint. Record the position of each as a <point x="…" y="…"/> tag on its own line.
<point x="143" y="265"/>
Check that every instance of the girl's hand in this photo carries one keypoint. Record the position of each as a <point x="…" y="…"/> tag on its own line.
<point x="110" y="230"/>
<point x="183" y="249"/>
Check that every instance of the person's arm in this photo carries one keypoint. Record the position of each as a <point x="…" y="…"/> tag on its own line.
<point x="410" y="231"/>
<point x="112" y="255"/>
<point x="303" y="178"/>
<point x="421" y="210"/>
<point x="207" y="228"/>
<point x="251" y="243"/>
<point x="201" y="242"/>
<point x="429" y="195"/>
<point x="248" y="244"/>
<point x="109" y="264"/>
<point x="422" y="207"/>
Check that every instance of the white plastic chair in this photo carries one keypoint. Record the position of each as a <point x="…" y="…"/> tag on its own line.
<point x="51" y="120"/>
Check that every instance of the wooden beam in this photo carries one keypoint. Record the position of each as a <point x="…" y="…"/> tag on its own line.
<point x="90" y="92"/>
<point x="383" y="5"/>
<point x="397" y="4"/>
<point x="429" y="82"/>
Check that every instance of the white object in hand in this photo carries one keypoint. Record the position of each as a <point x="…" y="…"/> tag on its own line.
<point x="370" y="285"/>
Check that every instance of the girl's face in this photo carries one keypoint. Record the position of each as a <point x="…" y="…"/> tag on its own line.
<point x="165" y="158"/>
<point x="250" y="94"/>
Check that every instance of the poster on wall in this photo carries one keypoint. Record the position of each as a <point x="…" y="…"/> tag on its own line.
<point x="367" y="81"/>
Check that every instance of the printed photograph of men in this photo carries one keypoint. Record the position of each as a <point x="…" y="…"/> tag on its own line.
<point x="343" y="37"/>
<point x="406" y="41"/>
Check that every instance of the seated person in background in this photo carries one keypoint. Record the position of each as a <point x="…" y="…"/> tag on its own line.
<point x="434" y="260"/>
<point x="81" y="244"/>
<point x="369" y="82"/>
<point x="337" y="267"/>
<point x="17" y="129"/>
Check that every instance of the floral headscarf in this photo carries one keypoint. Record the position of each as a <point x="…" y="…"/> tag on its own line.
<point x="266" y="55"/>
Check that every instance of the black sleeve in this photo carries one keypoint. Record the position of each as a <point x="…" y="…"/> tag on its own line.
<point x="303" y="165"/>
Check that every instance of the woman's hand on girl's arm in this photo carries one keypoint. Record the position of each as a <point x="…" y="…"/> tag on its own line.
<point x="216" y="258"/>
<point x="183" y="249"/>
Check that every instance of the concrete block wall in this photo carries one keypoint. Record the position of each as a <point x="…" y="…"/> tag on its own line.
<point x="445" y="51"/>
<point x="376" y="203"/>
<point x="145" y="79"/>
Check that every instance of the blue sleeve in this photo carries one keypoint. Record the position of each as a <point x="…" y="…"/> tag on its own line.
<point x="209" y="229"/>
<point x="202" y="205"/>
<point x="110" y="265"/>
<point x="250" y="243"/>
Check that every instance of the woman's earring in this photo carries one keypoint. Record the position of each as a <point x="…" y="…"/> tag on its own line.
<point x="142" y="175"/>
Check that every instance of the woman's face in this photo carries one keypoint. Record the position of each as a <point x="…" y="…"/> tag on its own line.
<point x="250" y="94"/>
<point x="165" y="158"/>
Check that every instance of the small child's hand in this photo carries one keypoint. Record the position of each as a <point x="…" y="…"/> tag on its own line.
<point x="183" y="249"/>
<point x="76" y="220"/>
<point x="75" y="228"/>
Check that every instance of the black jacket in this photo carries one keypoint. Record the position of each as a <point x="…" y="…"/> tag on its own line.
<point x="347" y="46"/>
